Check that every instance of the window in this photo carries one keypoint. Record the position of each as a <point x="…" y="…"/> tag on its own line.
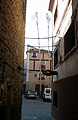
<point x="69" y="39"/>
<point x="34" y="54"/>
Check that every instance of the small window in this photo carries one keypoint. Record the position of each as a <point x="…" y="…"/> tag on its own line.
<point x="34" y="54"/>
<point x="69" y="39"/>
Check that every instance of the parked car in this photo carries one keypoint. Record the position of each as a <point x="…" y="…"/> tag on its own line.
<point x="31" y="94"/>
<point x="47" y="95"/>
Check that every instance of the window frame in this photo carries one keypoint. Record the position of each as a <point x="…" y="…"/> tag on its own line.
<point x="74" y="21"/>
<point x="34" y="54"/>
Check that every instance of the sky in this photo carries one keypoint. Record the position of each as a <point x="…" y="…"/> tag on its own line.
<point x="41" y="7"/>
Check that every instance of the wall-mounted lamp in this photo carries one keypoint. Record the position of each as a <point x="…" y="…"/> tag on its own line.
<point x="49" y="72"/>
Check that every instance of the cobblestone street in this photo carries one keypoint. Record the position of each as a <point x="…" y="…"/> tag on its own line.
<point x="35" y="109"/>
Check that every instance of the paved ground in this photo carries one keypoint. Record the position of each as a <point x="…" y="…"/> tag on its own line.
<point x="35" y="109"/>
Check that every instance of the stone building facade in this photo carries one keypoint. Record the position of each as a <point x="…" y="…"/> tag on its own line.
<point x="36" y="61"/>
<point x="65" y="85"/>
<point x="12" y="24"/>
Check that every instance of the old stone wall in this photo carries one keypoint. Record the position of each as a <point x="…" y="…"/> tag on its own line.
<point x="11" y="56"/>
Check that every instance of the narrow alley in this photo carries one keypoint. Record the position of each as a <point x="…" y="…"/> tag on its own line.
<point x="35" y="109"/>
<point x="38" y="50"/>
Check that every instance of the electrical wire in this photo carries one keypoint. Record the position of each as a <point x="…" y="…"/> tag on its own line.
<point x="41" y="38"/>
